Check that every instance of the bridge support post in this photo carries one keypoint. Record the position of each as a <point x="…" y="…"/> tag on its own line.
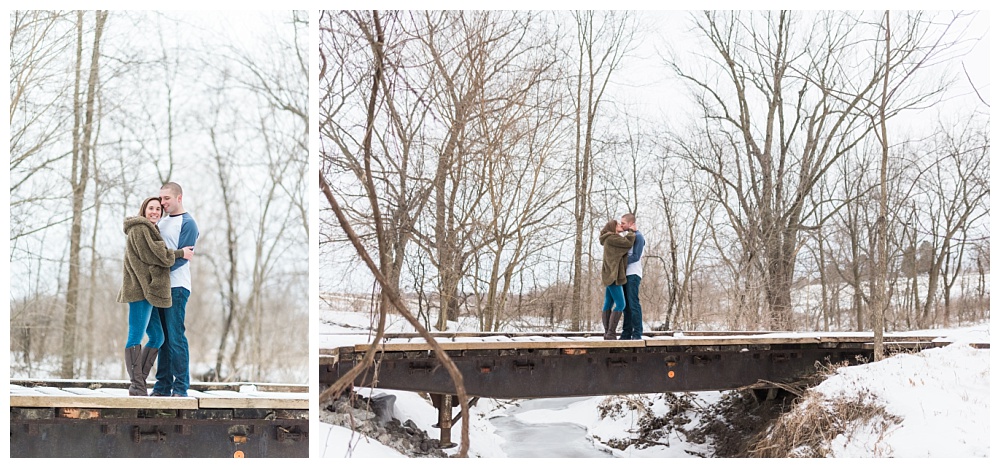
<point x="444" y="404"/>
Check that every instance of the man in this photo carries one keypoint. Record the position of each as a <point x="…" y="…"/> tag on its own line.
<point x="178" y="230"/>
<point x="632" y="323"/>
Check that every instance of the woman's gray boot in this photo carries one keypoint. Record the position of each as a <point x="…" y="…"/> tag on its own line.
<point x="133" y="365"/>
<point x="612" y="325"/>
<point x="146" y="359"/>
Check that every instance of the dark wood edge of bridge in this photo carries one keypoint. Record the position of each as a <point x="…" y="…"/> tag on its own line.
<point x="589" y="340"/>
<point x="199" y="386"/>
<point x="63" y="393"/>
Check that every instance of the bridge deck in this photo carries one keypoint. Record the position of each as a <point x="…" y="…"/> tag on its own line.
<point x="539" y="365"/>
<point x="336" y="344"/>
<point x="114" y="394"/>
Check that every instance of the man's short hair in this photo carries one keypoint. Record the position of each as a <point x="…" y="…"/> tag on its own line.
<point x="174" y="187"/>
<point x="629" y="217"/>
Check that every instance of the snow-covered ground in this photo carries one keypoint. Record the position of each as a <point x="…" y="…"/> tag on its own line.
<point x="941" y="396"/>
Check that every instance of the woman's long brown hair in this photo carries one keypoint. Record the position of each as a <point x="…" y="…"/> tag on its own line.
<point x="142" y="209"/>
<point x="611" y="226"/>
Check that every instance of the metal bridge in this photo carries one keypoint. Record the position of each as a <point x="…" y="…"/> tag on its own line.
<point x="84" y="419"/>
<point x="542" y="365"/>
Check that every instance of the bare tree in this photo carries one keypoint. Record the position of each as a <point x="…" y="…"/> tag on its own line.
<point x="603" y="40"/>
<point x="881" y="267"/>
<point x="279" y="80"/>
<point x="393" y="296"/>
<point x="350" y="51"/>
<point x="230" y="266"/>
<point x="788" y="109"/>
<point x="258" y="108"/>
<point x="956" y="201"/>
<point x="83" y="143"/>
<point x="921" y="45"/>
<point x="40" y="42"/>
<point x="524" y="191"/>
<point x="38" y="119"/>
<point x="473" y="61"/>
<point x="376" y="41"/>
<point x="687" y="211"/>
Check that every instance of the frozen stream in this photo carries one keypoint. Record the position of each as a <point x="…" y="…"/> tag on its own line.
<point x="550" y="440"/>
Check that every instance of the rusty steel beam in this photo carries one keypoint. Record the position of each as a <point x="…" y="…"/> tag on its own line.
<point x="131" y="433"/>
<point x="566" y="372"/>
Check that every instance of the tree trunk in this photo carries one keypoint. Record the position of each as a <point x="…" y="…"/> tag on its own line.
<point x="92" y="279"/>
<point x="881" y="270"/>
<point x="824" y="284"/>
<point x="600" y="54"/>
<point x="82" y="146"/>
<point x="230" y="281"/>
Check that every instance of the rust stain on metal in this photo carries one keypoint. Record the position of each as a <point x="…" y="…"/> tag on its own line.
<point x="79" y="413"/>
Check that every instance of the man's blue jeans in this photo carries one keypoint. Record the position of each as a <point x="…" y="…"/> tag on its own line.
<point x="632" y="317"/>
<point x="172" y="362"/>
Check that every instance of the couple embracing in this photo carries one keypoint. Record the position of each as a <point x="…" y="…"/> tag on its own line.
<point x="156" y="285"/>
<point x="621" y="273"/>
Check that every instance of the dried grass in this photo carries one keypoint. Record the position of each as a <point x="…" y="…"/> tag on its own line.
<point x="799" y="422"/>
<point x="794" y="422"/>
<point x="810" y="428"/>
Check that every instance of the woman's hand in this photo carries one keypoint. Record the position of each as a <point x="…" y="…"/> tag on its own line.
<point x="188" y="252"/>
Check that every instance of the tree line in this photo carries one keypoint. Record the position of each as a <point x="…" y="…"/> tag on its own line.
<point x="477" y="153"/>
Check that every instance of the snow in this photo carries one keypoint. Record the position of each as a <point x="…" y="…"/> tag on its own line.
<point x="341" y="442"/>
<point x="941" y="395"/>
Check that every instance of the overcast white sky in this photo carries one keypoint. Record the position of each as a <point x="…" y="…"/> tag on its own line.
<point x="651" y="86"/>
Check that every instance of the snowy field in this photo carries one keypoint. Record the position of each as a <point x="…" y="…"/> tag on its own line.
<point x="941" y="396"/>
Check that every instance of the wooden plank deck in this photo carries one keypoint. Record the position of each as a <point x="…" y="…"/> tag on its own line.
<point x="506" y="342"/>
<point x="250" y="399"/>
<point x="114" y="394"/>
<point x="472" y="341"/>
<point x="51" y="397"/>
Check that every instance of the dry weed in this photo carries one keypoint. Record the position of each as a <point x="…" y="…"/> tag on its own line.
<point x="794" y="422"/>
<point x="809" y="429"/>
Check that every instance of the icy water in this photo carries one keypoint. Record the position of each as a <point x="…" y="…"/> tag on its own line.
<point x="550" y="440"/>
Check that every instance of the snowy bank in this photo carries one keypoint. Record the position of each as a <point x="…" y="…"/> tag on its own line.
<point x="941" y="398"/>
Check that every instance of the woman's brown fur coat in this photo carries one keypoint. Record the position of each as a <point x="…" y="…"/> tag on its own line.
<point x="147" y="264"/>
<point x="615" y="249"/>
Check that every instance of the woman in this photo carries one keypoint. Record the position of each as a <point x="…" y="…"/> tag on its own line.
<point x="146" y="284"/>
<point x="616" y="243"/>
